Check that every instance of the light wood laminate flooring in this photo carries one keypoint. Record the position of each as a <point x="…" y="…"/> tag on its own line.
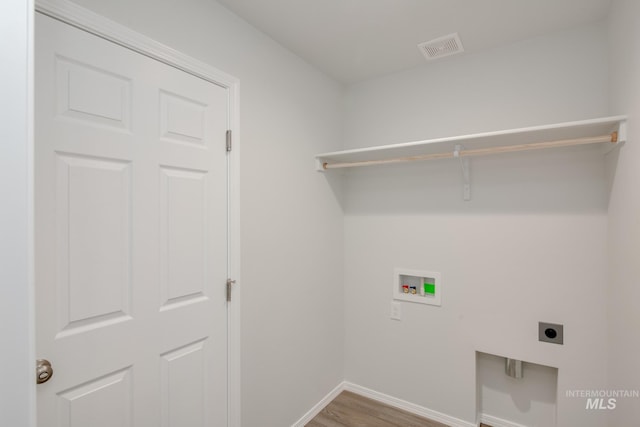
<point x="352" y="410"/>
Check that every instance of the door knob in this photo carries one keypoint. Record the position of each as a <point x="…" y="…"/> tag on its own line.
<point x="44" y="371"/>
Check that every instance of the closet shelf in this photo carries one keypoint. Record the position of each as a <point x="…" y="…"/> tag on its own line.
<point x="609" y="131"/>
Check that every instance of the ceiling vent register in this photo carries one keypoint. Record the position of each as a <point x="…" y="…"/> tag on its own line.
<point x="441" y="47"/>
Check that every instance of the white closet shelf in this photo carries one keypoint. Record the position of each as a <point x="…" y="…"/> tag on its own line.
<point x="609" y="131"/>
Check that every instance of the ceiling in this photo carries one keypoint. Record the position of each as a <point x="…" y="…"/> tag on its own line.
<point x="353" y="40"/>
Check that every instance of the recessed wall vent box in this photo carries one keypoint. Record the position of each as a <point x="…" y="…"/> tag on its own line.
<point x="424" y="287"/>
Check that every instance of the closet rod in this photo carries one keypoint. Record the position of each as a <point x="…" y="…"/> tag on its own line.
<point x="613" y="138"/>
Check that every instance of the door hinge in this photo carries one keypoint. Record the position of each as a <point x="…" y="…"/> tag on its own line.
<point x="229" y="140"/>
<point x="229" y="284"/>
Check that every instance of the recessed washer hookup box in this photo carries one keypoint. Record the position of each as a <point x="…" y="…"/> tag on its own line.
<point x="423" y="287"/>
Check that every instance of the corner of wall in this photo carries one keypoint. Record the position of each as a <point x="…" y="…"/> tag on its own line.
<point x="624" y="210"/>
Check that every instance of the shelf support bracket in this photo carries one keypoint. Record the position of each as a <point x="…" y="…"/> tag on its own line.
<point x="618" y="138"/>
<point x="465" y="166"/>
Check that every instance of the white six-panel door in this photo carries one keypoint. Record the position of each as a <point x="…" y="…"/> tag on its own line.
<point x="130" y="237"/>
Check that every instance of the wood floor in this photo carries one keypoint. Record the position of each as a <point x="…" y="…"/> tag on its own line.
<point x="352" y="410"/>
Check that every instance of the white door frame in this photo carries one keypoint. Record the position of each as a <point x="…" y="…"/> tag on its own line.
<point x="17" y="390"/>
<point x="72" y="14"/>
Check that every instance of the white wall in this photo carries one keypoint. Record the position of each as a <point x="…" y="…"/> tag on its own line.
<point x="291" y="221"/>
<point x="624" y="214"/>
<point x="529" y="247"/>
<point x="17" y="360"/>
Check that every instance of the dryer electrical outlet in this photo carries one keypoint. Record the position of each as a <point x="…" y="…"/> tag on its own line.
<point x="551" y="332"/>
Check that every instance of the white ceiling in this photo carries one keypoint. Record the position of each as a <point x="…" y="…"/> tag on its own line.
<point x="352" y="40"/>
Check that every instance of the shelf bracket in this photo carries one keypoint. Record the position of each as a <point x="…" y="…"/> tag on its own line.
<point x="620" y="138"/>
<point x="465" y="166"/>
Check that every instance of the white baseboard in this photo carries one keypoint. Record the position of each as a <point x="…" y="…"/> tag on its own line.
<point x="319" y="406"/>
<point x="498" y="422"/>
<point x="408" y="406"/>
<point x="391" y="401"/>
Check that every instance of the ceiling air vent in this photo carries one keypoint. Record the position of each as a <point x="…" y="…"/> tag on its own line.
<point x="441" y="47"/>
